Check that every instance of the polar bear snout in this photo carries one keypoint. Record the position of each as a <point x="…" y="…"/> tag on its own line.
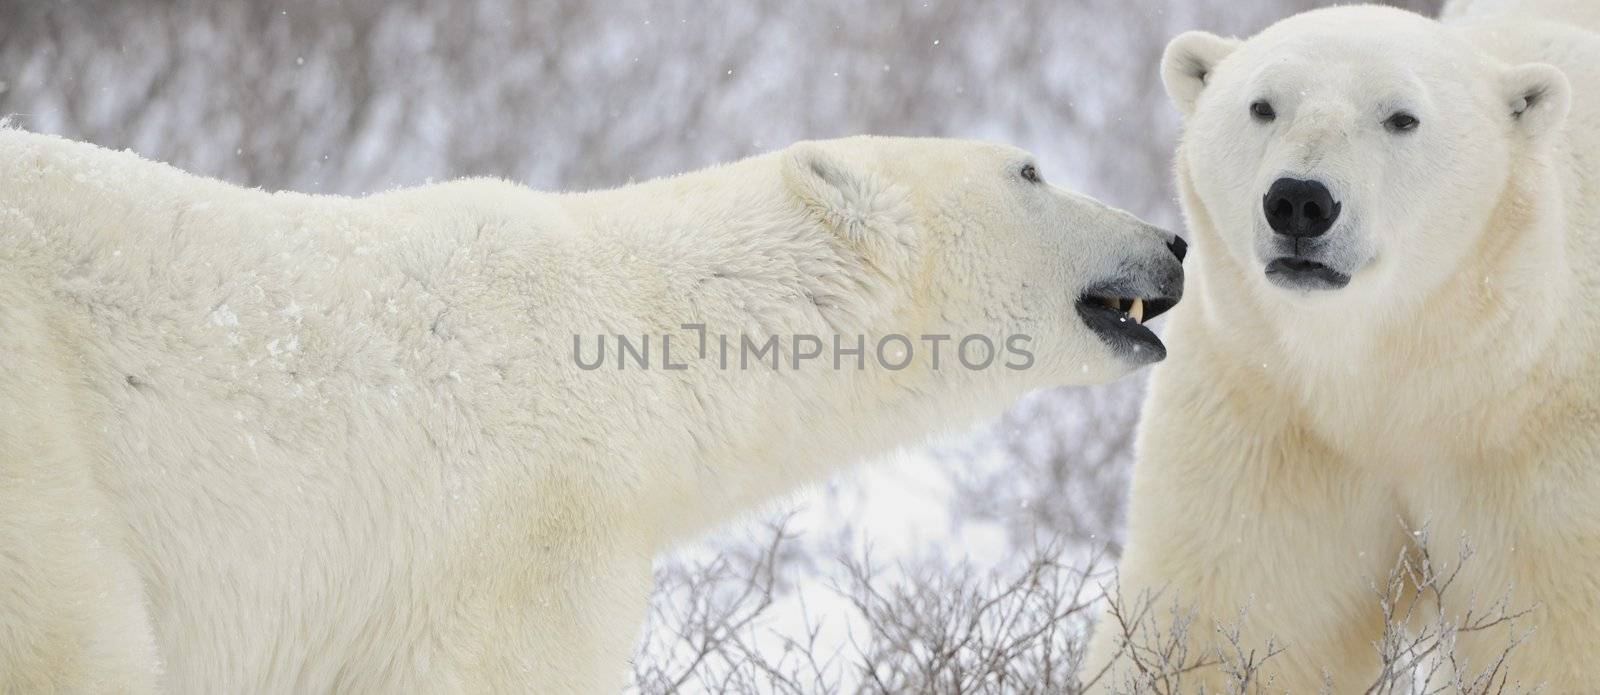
<point x="1300" y="254"/>
<point x="1118" y="308"/>
<point x="1300" y="209"/>
<point x="1178" y="247"/>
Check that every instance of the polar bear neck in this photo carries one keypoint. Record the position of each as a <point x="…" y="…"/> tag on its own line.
<point x="751" y="261"/>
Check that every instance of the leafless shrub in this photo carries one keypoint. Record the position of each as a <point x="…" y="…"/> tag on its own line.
<point x="710" y="611"/>
<point x="1418" y="651"/>
<point x="958" y="630"/>
<point x="1154" y="639"/>
<point x="894" y="630"/>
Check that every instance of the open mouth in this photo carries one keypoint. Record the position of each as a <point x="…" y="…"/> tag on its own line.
<point x="1119" y="316"/>
<point x="1299" y="273"/>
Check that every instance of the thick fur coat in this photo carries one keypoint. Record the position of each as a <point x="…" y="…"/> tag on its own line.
<point x="1298" y="437"/>
<point x="257" y="442"/>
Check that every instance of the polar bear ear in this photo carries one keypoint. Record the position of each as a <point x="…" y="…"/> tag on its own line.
<point x="1189" y="59"/>
<point x="1539" y="97"/>
<point x="848" y="199"/>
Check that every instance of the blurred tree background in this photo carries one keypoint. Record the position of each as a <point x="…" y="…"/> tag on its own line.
<point x="365" y="95"/>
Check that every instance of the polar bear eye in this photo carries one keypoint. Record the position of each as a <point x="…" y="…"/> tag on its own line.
<point x="1029" y="173"/>
<point x="1262" y="111"/>
<point x="1401" y="122"/>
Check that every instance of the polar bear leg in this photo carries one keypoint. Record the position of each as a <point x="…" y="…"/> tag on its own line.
<point x="72" y="613"/>
<point x="547" y="629"/>
<point x="609" y="615"/>
<point x="1535" y="539"/>
<point x="1232" y="512"/>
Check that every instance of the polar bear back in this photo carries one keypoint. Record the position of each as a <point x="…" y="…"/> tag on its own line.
<point x="1583" y="13"/>
<point x="362" y="363"/>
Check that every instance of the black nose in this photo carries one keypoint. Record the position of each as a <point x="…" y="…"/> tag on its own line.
<point x="1179" y="247"/>
<point x="1300" y="208"/>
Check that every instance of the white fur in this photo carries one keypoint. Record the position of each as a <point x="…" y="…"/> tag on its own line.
<point x="1291" y="437"/>
<point x="258" y="442"/>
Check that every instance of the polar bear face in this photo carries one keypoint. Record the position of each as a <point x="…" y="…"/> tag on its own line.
<point x="1352" y="155"/>
<point x="979" y="242"/>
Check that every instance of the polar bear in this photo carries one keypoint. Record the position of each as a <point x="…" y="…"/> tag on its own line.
<point x="1396" y="230"/>
<point x="428" y="440"/>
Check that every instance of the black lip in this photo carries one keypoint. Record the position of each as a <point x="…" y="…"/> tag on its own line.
<point x="1301" y="273"/>
<point x="1130" y="339"/>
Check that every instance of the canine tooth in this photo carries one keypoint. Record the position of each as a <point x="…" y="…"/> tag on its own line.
<point x="1137" y="311"/>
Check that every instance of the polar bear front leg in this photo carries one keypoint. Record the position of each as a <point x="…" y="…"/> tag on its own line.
<point x="72" y="609"/>
<point x="562" y="623"/>
<point x="72" y="617"/>
<point x="1527" y="598"/>
<point x="1244" y="523"/>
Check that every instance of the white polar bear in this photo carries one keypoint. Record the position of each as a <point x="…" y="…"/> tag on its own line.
<point x="1396" y="225"/>
<point x="259" y="442"/>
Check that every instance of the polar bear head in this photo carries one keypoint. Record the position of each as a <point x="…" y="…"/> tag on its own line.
<point x="1351" y="157"/>
<point x="972" y="239"/>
